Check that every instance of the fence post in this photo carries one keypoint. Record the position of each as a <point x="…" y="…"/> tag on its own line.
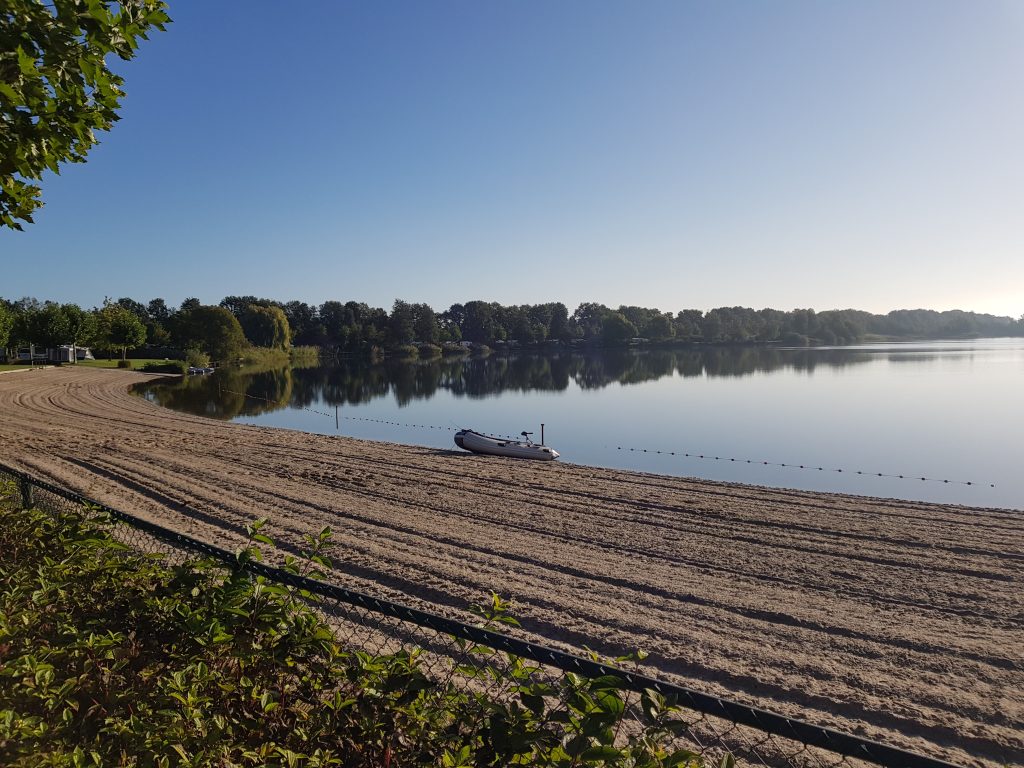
<point x="26" y="493"/>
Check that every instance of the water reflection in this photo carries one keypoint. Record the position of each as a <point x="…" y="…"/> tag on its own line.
<point x="231" y="393"/>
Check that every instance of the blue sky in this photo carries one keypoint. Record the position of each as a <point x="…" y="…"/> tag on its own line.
<point x="666" y="154"/>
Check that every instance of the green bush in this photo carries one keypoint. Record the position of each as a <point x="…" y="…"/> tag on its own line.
<point x="171" y="366"/>
<point x="265" y="356"/>
<point x="111" y="657"/>
<point x="124" y="363"/>
<point x="195" y="357"/>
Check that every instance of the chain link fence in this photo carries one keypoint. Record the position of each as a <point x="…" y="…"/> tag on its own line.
<point x="499" y="667"/>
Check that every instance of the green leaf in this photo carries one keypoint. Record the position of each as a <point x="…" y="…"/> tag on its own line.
<point x="602" y="753"/>
<point x="681" y="757"/>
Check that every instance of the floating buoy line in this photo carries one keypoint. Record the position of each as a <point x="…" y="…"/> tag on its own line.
<point x="628" y="449"/>
<point x="865" y="473"/>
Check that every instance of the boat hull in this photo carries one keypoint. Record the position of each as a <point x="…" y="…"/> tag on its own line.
<point x="476" y="442"/>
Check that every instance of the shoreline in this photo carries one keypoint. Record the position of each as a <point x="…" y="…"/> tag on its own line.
<point x="902" y="621"/>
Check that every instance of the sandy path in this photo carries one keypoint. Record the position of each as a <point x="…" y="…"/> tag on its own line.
<point x="897" y="620"/>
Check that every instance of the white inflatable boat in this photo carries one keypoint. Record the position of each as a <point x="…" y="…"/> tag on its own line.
<point x="497" y="446"/>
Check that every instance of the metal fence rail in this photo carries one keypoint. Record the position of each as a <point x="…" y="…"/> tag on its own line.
<point x="714" y="727"/>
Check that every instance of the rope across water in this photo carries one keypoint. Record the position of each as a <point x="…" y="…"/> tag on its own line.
<point x="682" y="454"/>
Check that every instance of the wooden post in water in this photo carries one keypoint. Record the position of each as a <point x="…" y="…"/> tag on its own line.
<point x="336" y="418"/>
<point x="542" y="433"/>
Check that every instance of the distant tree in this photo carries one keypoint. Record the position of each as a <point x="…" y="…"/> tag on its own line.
<point x="214" y="330"/>
<point x="483" y="322"/>
<point x="137" y="308"/>
<point x="158" y="310"/>
<point x="21" y="328"/>
<point x="119" y="328"/>
<point x="521" y="327"/>
<point x="712" y="327"/>
<point x="641" y="317"/>
<point x="6" y="323"/>
<point x="56" y="90"/>
<point x="424" y="324"/>
<point x="772" y="323"/>
<point x="304" y="322"/>
<point x="190" y="304"/>
<point x="660" y="328"/>
<point x="616" y="329"/>
<point x="336" y="320"/>
<point x="802" y="321"/>
<point x="554" y="317"/>
<point x="27" y="304"/>
<point x="455" y="315"/>
<point x="158" y="335"/>
<point x="688" y="323"/>
<point x="373" y="325"/>
<point x="588" y="319"/>
<point x="401" y="323"/>
<point x="49" y="326"/>
<point x="836" y="327"/>
<point x="239" y="305"/>
<point x="266" y="327"/>
<point x="82" y="325"/>
<point x="447" y="329"/>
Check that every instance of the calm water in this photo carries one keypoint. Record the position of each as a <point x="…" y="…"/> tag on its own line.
<point x="946" y="410"/>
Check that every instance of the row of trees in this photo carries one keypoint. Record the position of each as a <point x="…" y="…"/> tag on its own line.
<point x="354" y="326"/>
<point x="238" y="321"/>
<point x="50" y="325"/>
<point x="211" y="331"/>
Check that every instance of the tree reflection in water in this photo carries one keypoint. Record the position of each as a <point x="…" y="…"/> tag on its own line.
<point x="233" y="392"/>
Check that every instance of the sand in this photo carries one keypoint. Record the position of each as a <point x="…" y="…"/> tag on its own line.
<point x="895" y="620"/>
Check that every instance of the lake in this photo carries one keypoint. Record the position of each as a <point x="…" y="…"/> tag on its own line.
<point x="948" y="411"/>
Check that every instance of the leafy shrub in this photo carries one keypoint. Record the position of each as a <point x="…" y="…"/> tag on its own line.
<point x="265" y="356"/>
<point x="113" y="658"/>
<point x="171" y="366"/>
<point x="124" y="363"/>
<point x="196" y="358"/>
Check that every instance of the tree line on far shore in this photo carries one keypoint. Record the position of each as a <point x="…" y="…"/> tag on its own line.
<point x="198" y="333"/>
<point x="223" y="331"/>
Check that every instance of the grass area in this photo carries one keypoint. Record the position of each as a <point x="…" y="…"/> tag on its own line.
<point x="14" y="367"/>
<point x="136" y="362"/>
<point x="111" y="657"/>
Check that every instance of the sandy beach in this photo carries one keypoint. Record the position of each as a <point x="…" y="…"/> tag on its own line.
<point x="895" y="620"/>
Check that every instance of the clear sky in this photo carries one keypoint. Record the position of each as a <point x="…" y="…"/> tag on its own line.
<point x="667" y="154"/>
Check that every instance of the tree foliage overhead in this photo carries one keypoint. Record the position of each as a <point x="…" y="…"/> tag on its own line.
<point x="56" y="90"/>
